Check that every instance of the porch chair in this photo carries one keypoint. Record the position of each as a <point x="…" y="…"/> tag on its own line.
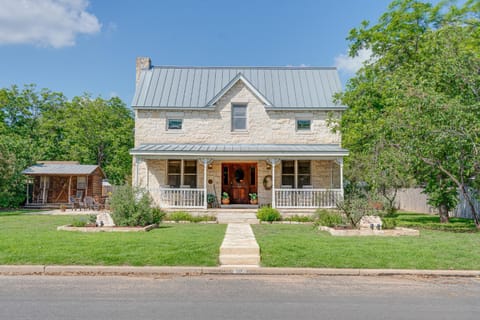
<point x="76" y="203"/>
<point x="90" y="203"/>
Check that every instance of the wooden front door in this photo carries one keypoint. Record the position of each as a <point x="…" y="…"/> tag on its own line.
<point x="239" y="179"/>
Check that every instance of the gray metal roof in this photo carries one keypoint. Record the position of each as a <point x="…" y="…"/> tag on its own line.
<point x="239" y="150"/>
<point x="60" y="169"/>
<point x="194" y="87"/>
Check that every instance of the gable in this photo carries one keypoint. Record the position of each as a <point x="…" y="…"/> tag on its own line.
<point x="200" y="87"/>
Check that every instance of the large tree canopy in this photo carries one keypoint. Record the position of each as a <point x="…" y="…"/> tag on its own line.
<point x="44" y="125"/>
<point x="418" y="95"/>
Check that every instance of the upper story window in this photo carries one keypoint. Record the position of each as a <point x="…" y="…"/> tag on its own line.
<point x="239" y="117"/>
<point x="304" y="124"/>
<point x="174" y="124"/>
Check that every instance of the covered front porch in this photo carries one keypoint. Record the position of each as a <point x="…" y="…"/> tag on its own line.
<point x="282" y="176"/>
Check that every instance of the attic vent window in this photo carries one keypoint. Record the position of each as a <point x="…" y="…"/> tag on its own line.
<point x="174" y="124"/>
<point x="304" y="124"/>
<point x="239" y="117"/>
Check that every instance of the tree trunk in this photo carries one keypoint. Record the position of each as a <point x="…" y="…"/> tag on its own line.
<point x="469" y="200"/>
<point x="443" y="211"/>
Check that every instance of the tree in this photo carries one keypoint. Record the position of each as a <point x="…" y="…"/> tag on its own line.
<point x="420" y="94"/>
<point x="43" y="125"/>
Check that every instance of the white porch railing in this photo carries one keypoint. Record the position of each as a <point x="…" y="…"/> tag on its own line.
<point x="179" y="197"/>
<point x="307" y="198"/>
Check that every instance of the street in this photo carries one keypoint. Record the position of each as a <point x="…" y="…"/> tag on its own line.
<point x="238" y="297"/>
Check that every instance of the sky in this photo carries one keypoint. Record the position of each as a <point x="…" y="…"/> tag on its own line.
<point x="79" y="46"/>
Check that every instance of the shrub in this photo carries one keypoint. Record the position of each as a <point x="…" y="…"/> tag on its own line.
<point x="268" y="214"/>
<point x="389" y="223"/>
<point x="92" y="218"/>
<point x="328" y="218"/>
<point x="354" y="207"/>
<point x="79" y="222"/>
<point x="133" y="207"/>
<point x="179" y="216"/>
<point x="298" y="218"/>
<point x="206" y="217"/>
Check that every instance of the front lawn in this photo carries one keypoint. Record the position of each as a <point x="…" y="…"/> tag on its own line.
<point x="305" y="246"/>
<point x="33" y="239"/>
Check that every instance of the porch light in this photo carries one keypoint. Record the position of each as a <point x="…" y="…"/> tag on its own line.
<point x="210" y="166"/>
<point x="269" y="166"/>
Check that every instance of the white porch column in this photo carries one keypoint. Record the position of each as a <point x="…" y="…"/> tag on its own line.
<point x="273" y="163"/>
<point x="340" y="162"/>
<point x="205" y="163"/>
<point x="137" y="170"/>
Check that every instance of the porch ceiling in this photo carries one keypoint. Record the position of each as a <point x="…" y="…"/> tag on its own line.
<point x="243" y="151"/>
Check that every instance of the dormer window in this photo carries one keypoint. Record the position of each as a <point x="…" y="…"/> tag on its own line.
<point x="239" y="117"/>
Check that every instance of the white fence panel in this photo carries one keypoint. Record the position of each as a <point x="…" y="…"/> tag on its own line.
<point x="179" y="197"/>
<point x="307" y="198"/>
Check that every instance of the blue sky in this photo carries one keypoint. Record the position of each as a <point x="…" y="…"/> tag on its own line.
<point x="77" y="46"/>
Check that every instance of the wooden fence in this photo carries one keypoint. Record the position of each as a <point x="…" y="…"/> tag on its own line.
<point x="412" y="199"/>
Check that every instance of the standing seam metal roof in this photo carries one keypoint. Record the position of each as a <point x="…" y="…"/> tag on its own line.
<point x="194" y="87"/>
<point x="60" y="169"/>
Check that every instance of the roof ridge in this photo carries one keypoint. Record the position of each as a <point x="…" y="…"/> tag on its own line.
<point x="246" y="67"/>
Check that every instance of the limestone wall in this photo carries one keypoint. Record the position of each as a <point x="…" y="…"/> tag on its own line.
<point x="152" y="174"/>
<point x="263" y="127"/>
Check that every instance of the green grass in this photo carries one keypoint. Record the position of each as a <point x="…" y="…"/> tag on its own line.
<point x="432" y="222"/>
<point x="305" y="246"/>
<point x="33" y="239"/>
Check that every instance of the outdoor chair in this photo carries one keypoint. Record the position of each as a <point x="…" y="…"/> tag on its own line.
<point x="76" y="203"/>
<point x="90" y="204"/>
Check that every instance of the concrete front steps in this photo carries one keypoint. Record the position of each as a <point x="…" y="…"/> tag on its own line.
<point x="237" y="216"/>
<point x="239" y="247"/>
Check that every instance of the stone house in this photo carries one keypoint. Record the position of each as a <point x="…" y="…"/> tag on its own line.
<point x="237" y="130"/>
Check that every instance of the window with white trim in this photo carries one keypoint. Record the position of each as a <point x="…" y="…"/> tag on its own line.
<point x="239" y="117"/>
<point x="296" y="173"/>
<point x="182" y="173"/>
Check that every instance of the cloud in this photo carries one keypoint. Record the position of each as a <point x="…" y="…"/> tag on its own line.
<point x="349" y="65"/>
<point x="54" y="23"/>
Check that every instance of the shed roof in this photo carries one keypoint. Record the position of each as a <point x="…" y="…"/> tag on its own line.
<point x="174" y="87"/>
<point x="258" y="151"/>
<point x="60" y="169"/>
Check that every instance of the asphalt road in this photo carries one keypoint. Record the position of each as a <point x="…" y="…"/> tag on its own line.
<point x="238" y="297"/>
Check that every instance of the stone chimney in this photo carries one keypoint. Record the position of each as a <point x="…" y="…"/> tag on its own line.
<point x="142" y="63"/>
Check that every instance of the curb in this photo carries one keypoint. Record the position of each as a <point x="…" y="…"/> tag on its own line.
<point x="57" y="270"/>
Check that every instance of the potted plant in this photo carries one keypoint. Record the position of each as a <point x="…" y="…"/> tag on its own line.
<point x="225" y="198"/>
<point x="253" y="198"/>
<point x="63" y="207"/>
<point x="210" y="199"/>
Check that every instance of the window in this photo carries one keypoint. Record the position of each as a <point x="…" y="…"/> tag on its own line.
<point x="296" y="173"/>
<point x="81" y="182"/>
<point x="288" y="173"/>
<point x="182" y="173"/>
<point x="304" y="124"/>
<point x="174" y="124"/>
<point x="303" y="173"/>
<point x="239" y="118"/>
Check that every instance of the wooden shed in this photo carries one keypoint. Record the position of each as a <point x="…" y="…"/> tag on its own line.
<point x="52" y="183"/>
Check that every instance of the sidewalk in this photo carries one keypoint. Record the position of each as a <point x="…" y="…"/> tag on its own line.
<point x="199" y="271"/>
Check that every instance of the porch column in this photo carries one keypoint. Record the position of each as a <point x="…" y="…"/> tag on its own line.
<point x="69" y="188"/>
<point x="137" y="169"/>
<point x="205" y="163"/>
<point x="44" y="187"/>
<point x="340" y="162"/>
<point x="273" y="163"/>
<point x="28" y="183"/>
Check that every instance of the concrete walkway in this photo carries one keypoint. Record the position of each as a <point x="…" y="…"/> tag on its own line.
<point x="239" y="247"/>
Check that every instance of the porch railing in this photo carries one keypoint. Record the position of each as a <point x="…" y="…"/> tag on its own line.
<point x="179" y="197"/>
<point x="307" y="198"/>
